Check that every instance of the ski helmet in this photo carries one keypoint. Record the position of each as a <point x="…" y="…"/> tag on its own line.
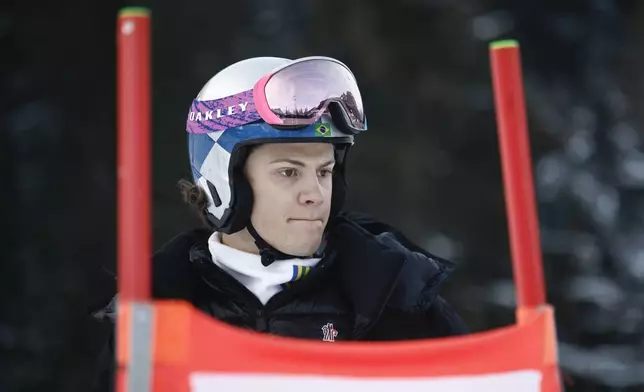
<point x="218" y="152"/>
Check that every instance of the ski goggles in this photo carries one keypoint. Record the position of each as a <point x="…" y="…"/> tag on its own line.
<point x="293" y="96"/>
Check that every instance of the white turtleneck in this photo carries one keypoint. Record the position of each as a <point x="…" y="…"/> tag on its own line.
<point x="247" y="268"/>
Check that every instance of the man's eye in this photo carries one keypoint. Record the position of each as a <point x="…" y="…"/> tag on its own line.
<point x="288" y="172"/>
<point x="326" y="172"/>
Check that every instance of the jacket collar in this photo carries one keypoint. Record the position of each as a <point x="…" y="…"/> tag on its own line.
<point x="377" y="270"/>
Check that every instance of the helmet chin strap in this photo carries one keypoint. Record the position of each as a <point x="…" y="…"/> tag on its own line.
<point x="269" y="254"/>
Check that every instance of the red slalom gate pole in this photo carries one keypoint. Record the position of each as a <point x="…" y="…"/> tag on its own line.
<point x="133" y="110"/>
<point x="518" y="181"/>
<point x="135" y="319"/>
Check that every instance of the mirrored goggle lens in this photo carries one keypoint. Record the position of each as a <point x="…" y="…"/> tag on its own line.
<point x="300" y="93"/>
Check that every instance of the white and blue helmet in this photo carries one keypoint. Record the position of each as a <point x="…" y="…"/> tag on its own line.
<point x="217" y="158"/>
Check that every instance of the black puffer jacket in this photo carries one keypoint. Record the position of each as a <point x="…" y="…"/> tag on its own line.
<point x="372" y="284"/>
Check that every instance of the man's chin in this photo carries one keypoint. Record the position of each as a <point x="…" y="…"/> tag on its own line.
<point x="304" y="251"/>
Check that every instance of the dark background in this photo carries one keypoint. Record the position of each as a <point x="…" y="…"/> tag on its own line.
<point x="428" y="165"/>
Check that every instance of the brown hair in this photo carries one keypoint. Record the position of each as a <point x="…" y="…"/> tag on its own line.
<point x="195" y="197"/>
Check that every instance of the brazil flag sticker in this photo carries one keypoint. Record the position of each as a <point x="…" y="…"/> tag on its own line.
<point x="323" y="129"/>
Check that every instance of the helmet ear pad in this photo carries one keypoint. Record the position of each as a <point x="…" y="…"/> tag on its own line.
<point x="241" y="198"/>
<point x="338" y="196"/>
<point x="241" y="206"/>
<point x="243" y="192"/>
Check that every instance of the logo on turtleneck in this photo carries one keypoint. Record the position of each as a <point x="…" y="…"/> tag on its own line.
<point x="300" y="271"/>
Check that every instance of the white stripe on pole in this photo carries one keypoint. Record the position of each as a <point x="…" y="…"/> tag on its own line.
<point x="139" y="375"/>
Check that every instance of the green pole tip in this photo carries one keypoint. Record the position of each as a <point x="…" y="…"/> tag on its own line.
<point x="134" y="11"/>
<point x="506" y="43"/>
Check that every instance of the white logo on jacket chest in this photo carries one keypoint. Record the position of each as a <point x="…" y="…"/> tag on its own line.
<point x="329" y="333"/>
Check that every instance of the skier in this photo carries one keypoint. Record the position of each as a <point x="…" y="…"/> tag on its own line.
<point x="268" y="139"/>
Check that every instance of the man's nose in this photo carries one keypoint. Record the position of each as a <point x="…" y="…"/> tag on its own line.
<point x="312" y="192"/>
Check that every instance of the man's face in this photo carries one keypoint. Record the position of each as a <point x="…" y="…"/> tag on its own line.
<point x="292" y="185"/>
